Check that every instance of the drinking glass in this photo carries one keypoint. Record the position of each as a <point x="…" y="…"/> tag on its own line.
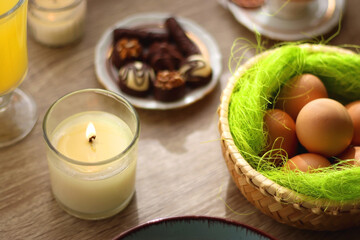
<point x="17" y="109"/>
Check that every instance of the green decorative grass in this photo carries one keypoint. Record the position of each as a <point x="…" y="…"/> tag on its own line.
<point x="256" y="91"/>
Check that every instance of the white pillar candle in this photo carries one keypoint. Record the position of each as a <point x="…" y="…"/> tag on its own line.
<point x="56" y="22"/>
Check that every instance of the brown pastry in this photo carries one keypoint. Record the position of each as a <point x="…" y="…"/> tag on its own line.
<point x="126" y="50"/>
<point x="164" y="56"/>
<point x="196" y="71"/>
<point x="135" y="78"/>
<point x="169" y="86"/>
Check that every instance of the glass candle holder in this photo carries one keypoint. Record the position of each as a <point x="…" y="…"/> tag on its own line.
<point x="91" y="137"/>
<point x="56" y="23"/>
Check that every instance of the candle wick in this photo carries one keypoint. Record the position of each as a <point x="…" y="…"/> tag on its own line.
<point x="92" y="138"/>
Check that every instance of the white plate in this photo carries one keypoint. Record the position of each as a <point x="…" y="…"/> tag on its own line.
<point x="324" y="16"/>
<point x="106" y="73"/>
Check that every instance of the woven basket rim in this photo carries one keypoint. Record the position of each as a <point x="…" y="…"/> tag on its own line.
<point x="265" y="185"/>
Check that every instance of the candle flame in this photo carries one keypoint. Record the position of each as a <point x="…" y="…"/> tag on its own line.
<point x="90" y="132"/>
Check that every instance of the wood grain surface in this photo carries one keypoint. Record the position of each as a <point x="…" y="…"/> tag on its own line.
<point x="180" y="168"/>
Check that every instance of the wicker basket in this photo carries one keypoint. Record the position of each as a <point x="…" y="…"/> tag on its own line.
<point x="280" y="203"/>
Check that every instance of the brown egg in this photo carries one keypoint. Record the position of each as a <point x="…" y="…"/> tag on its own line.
<point x="324" y="126"/>
<point x="354" y="111"/>
<point x="352" y="152"/>
<point x="306" y="162"/>
<point x="298" y="92"/>
<point x="281" y="134"/>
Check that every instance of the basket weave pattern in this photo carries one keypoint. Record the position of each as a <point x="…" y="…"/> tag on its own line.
<point x="280" y="203"/>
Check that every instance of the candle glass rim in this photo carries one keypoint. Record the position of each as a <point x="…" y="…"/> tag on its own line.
<point x="102" y="162"/>
<point x="13" y="9"/>
<point x="46" y="9"/>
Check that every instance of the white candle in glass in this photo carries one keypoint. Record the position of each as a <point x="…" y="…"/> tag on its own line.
<point x="97" y="190"/>
<point x="92" y="170"/>
<point x="56" y="22"/>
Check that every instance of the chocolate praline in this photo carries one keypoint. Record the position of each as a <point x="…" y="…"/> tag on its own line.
<point x="196" y="71"/>
<point x="169" y="86"/>
<point x="164" y="56"/>
<point x="135" y="78"/>
<point x="145" y="37"/>
<point x="178" y="35"/>
<point x="126" y="50"/>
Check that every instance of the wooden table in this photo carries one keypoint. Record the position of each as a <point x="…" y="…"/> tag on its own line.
<point x="181" y="170"/>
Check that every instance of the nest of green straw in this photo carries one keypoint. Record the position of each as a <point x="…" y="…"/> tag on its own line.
<point x="256" y="90"/>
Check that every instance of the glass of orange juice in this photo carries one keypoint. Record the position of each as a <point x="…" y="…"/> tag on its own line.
<point x="17" y="109"/>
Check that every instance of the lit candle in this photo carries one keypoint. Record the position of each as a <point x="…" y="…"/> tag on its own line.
<point x="56" y="22"/>
<point x="92" y="161"/>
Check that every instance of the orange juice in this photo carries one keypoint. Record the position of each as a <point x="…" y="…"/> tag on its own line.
<point x="13" y="49"/>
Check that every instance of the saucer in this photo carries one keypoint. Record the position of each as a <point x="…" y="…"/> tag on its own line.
<point x="323" y="15"/>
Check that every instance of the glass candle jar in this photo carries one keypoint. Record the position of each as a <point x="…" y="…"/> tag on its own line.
<point x="56" y="23"/>
<point x="91" y="138"/>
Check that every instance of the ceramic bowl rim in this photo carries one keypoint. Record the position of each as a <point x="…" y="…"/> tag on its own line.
<point x="191" y="217"/>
